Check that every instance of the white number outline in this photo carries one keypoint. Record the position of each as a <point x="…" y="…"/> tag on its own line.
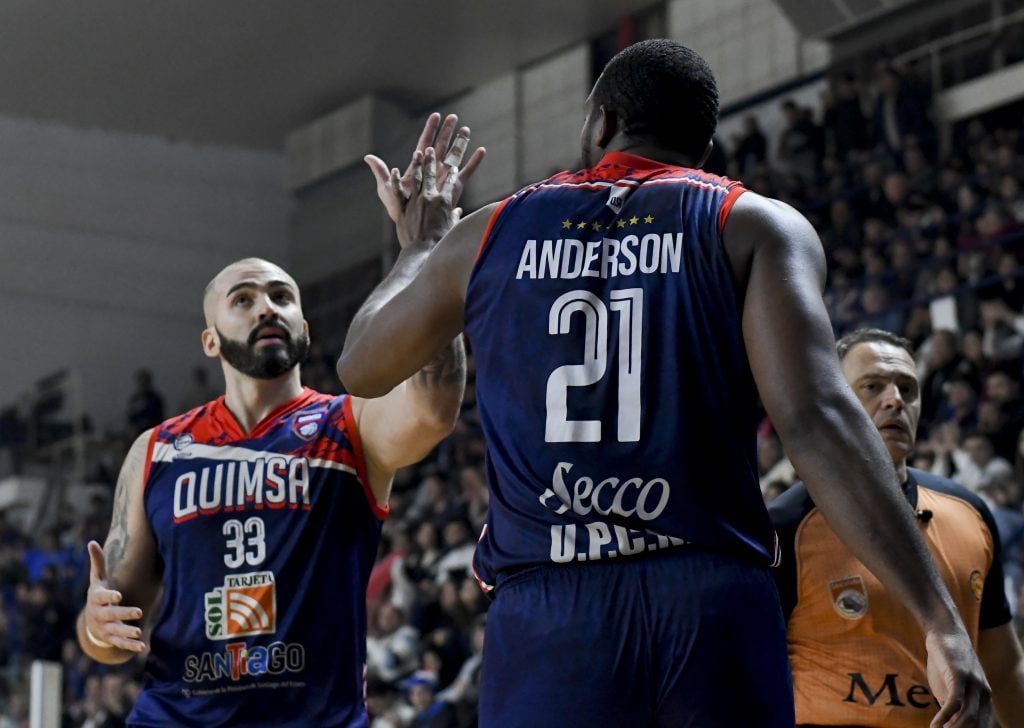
<point x="241" y="536"/>
<point x="629" y="304"/>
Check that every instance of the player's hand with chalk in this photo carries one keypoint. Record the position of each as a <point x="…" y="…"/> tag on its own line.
<point x="448" y="149"/>
<point x="105" y="620"/>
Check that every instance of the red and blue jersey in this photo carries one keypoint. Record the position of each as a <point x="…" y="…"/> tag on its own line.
<point x="266" y="541"/>
<point x="612" y="379"/>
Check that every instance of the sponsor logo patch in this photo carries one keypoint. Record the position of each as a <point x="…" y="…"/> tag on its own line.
<point x="307" y="425"/>
<point x="849" y="597"/>
<point x="245" y="605"/>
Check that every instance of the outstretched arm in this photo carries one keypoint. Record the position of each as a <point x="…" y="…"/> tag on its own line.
<point x="124" y="576"/>
<point x="833" y="445"/>
<point x="411" y="411"/>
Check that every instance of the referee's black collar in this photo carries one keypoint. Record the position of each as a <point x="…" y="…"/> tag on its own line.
<point x="910" y="489"/>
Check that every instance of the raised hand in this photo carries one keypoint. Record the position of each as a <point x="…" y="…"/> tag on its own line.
<point x="105" y="619"/>
<point x="396" y="189"/>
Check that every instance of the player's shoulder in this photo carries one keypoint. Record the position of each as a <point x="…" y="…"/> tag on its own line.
<point x="790" y="509"/>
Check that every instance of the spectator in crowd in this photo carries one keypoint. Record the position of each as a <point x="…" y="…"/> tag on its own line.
<point x="844" y="120"/>
<point x="1003" y="332"/>
<point x="901" y="112"/>
<point x="772" y="464"/>
<point x="798" y="150"/>
<point x="751" y="148"/>
<point x="1003" y="391"/>
<point x="145" y="406"/>
<point x="392" y="647"/>
<point x="943" y="362"/>
<point x="974" y="462"/>
<point x="199" y="391"/>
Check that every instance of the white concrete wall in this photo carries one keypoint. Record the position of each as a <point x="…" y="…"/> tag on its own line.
<point x="106" y="243"/>
<point x="553" y="95"/>
<point x="749" y="44"/>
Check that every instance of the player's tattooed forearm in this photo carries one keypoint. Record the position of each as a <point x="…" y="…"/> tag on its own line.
<point x="446" y="369"/>
<point x="117" y="541"/>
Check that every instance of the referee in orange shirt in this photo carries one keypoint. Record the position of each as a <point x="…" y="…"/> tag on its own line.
<point x="858" y="656"/>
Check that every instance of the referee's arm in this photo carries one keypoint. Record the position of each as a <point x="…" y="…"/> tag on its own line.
<point x="1003" y="662"/>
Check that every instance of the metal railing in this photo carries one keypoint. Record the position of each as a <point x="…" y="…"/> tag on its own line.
<point x="945" y="49"/>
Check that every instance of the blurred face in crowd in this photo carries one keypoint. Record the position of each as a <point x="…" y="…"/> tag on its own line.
<point x="421" y="697"/>
<point x="990" y="418"/>
<point x="1009" y="188"/>
<point x="979" y="449"/>
<point x="960" y="394"/>
<point x="254" y="320"/>
<point x="884" y="379"/>
<point x="1000" y="388"/>
<point x="895" y="188"/>
<point x="973" y="347"/>
<point x="902" y="254"/>
<point x="769" y="451"/>
<point x="874" y="299"/>
<point x="1007" y="265"/>
<point x="389" y="618"/>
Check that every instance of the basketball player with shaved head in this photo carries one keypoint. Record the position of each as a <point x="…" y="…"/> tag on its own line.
<point x="244" y="530"/>
<point x="620" y="317"/>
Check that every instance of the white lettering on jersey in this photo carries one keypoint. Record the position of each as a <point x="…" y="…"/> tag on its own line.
<point x="569" y="259"/>
<point x="630" y="497"/>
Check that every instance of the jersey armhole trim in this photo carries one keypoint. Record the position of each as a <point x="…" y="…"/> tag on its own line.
<point x="352" y="431"/>
<point x="490" y="226"/>
<point x="796" y="560"/>
<point x="730" y="199"/>
<point x="149" y="457"/>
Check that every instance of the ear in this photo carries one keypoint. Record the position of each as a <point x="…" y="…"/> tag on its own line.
<point x="211" y="342"/>
<point x="707" y="153"/>
<point x="305" y="326"/>
<point x="606" y="128"/>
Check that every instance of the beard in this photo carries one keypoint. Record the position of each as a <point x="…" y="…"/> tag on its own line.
<point x="268" y="362"/>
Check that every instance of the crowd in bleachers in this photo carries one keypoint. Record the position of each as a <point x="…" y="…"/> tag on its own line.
<point x="918" y="242"/>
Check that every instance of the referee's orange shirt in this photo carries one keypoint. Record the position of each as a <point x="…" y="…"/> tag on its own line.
<point x="857" y="654"/>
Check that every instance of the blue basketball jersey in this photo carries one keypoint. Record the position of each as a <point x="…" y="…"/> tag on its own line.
<point x="612" y="379"/>
<point x="267" y="540"/>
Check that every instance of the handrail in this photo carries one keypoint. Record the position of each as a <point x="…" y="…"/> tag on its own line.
<point x="940" y="44"/>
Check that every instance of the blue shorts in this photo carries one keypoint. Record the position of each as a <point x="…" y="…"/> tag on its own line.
<point x="688" y="638"/>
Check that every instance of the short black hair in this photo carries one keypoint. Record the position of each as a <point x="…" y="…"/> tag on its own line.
<point x="863" y="336"/>
<point x="662" y="91"/>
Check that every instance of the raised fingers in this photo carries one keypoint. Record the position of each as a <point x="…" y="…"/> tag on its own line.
<point x="444" y="135"/>
<point x="428" y="133"/>
<point x="430" y="171"/>
<point x="457" y="151"/>
<point x="470" y="167"/>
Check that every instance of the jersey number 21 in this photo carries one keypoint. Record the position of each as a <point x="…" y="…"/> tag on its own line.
<point x="628" y="303"/>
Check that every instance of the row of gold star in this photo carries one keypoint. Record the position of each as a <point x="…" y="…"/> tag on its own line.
<point x="621" y="223"/>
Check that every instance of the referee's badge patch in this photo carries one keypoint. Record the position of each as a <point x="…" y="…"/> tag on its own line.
<point x="849" y="597"/>
<point x="977" y="584"/>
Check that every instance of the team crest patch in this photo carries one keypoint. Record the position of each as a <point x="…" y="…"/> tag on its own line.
<point x="307" y="424"/>
<point x="849" y="597"/>
<point x="977" y="584"/>
<point x="245" y="605"/>
<point x="183" y="441"/>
